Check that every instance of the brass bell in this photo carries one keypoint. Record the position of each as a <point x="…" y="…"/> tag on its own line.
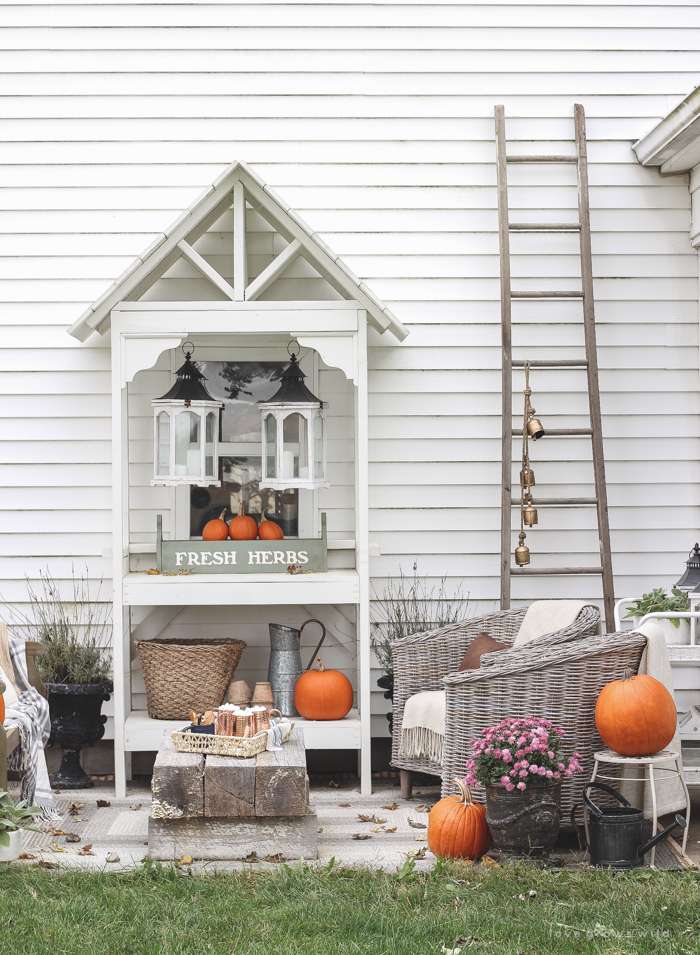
<point x="527" y="477"/>
<point x="522" y="552"/>
<point x="534" y="428"/>
<point x="530" y="513"/>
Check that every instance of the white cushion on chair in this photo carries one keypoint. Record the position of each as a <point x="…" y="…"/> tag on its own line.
<point x="10" y="695"/>
<point x="548" y="616"/>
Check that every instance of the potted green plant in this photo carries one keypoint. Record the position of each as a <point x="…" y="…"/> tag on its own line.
<point x="408" y="605"/>
<point x="520" y="764"/>
<point x="13" y="819"/>
<point x="75" y="666"/>
<point x="675" y="629"/>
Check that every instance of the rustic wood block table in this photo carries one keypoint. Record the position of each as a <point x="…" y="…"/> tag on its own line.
<point x="222" y="808"/>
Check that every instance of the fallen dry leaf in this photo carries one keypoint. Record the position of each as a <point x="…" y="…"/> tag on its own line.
<point x="417" y="853"/>
<point x="253" y="857"/>
<point x="26" y="855"/>
<point x="112" y="857"/>
<point x="56" y="848"/>
<point x="277" y="857"/>
<point x="372" y="818"/>
<point x="186" y="860"/>
<point x="333" y="784"/>
<point x="488" y="861"/>
<point x="75" y="807"/>
<point x="136" y="807"/>
<point x="31" y="891"/>
<point x="361" y="835"/>
<point x="422" y="808"/>
<point x="72" y="837"/>
<point x="86" y="850"/>
<point x="393" y="806"/>
<point x="81" y="819"/>
<point x="344" y="805"/>
<point x="47" y="865"/>
<point x="59" y="832"/>
<point x="420" y="838"/>
<point x="391" y="830"/>
<point x="417" y="825"/>
<point x="377" y="829"/>
<point x="103" y="804"/>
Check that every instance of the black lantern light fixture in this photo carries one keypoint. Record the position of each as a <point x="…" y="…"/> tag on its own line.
<point x="186" y="430"/>
<point x="691" y="577"/>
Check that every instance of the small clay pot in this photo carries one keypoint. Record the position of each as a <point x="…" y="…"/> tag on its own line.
<point x="239" y="693"/>
<point x="262" y="696"/>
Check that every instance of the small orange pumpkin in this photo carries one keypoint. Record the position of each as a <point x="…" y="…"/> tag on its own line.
<point x="323" y="694"/>
<point x="635" y="716"/>
<point x="216" y="530"/>
<point x="270" y="531"/>
<point x="243" y="527"/>
<point x="457" y="827"/>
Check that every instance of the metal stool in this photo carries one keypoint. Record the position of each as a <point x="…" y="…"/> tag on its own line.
<point x="645" y="762"/>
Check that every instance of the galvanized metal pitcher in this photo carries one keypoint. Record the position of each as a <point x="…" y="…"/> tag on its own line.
<point x="285" y="665"/>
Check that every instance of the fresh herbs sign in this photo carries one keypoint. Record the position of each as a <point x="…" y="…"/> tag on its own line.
<point x="242" y="557"/>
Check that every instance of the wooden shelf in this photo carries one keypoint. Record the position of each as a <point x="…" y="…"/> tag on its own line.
<point x="151" y="590"/>
<point x="142" y="734"/>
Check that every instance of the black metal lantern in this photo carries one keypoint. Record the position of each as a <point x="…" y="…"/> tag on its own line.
<point x="186" y="430"/>
<point x="691" y="577"/>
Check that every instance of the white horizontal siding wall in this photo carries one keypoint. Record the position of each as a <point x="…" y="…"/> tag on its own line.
<point x="375" y="122"/>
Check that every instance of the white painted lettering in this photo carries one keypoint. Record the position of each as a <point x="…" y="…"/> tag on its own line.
<point x="218" y="557"/>
<point x="178" y="557"/>
<point x="206" y="555"/>
<point x="303" y="557"/>
<point x="193" y="558"/>
<point x="254" y="557"/>
<point x="291" y="557"/>
<point x="230" y="557"/>
<point x="266" y="557"/>
<point x="279" y="556"/>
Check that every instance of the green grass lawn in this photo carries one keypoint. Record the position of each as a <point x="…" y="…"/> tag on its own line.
<point x="303" y="910"/>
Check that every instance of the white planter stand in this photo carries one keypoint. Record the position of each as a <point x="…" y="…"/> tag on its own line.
<point x="11" y="852"/>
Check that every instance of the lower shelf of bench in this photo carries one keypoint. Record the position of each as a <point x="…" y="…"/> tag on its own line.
<point x="288" y="837"/>
<point x="142" y="734"/>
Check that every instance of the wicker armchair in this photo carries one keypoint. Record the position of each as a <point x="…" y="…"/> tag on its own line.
<point x="423" y="660"/>
<point x="9" y="738"/>
<point x="560" y="683"/>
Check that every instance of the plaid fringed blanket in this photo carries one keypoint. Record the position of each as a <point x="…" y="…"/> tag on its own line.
<point x="31" y="717"/>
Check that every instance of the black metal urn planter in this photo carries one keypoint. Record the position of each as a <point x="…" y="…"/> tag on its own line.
<point x="386" y="683"/>
<point x="76" y="721"/>
<point x="524" y="821"/>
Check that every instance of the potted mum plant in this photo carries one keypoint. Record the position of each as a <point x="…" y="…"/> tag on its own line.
<point x="13" y="819"/>
<point x="675" y="629"/>
<point x="520" y="764"/>
<point x="75" y="666"/>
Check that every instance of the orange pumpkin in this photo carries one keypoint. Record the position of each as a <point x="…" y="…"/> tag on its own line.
<point x="323" y="694"/>
<point x="216" y="530"/>
<point x="635" y="716"/>
<point x="457" y="827"/>
<point x="269" y="531"/>
<point x="243" y="527"/>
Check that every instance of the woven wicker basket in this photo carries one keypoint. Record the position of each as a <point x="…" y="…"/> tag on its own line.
<point x="207" y="743"/>
<point x="184" y="675"/>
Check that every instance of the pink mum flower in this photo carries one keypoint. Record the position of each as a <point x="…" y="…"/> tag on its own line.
<point x="522" y="786"/>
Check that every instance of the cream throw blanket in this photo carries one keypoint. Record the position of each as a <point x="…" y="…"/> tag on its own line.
<point x="670" y="796"/>
<point x="548" y="616"/>
<point x="423" y="727"/>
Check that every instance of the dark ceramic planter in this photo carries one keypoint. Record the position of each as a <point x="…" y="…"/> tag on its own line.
<point x="76" y="720"/>
<point x="524" y="822"/>
<point x="386" y="683"/>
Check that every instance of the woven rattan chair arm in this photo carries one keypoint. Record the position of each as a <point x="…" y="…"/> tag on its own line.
<point x="498" y="625"/>
<point x="535" y="657"/>
<point x="586" y="624"/>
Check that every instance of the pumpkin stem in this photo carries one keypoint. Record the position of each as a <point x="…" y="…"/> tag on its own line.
<point x="465" y="795"/>
<point x="241" y="512"/>
<point x="628" y="674"/>
<point x="221" y="516"/>
<point x="320" y="668"/>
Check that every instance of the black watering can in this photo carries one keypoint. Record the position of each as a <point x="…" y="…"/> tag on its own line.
<point x="616" y="834"/>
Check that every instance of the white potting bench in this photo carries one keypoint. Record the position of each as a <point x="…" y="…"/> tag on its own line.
<point x="334" y="326"/>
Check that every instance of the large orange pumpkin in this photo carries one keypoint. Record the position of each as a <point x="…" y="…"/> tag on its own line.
<point x="243" y="527"/>
<point x="635" y="716"/>
<point x="323" y="694"/>
<point x="216" y="530"/>
<point x="269" y="531"/>
<point x="457" y="827"/>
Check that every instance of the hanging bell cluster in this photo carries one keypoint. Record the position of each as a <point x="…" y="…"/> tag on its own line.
<point x="522" y="551"/>
<point x="527" y="477"/>
<point x="532" y="428"/>
<point x="529" y="513"/>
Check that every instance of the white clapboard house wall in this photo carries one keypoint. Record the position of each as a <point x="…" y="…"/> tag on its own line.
<point x="375" y="124"/>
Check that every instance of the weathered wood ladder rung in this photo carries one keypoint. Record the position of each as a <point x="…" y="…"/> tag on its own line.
<point x="590" y="363"/>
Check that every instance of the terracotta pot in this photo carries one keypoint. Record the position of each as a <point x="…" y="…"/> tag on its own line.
<point x="524" y="821"/>
<point x="239" y="693"/>
<point x="262" y="696"/>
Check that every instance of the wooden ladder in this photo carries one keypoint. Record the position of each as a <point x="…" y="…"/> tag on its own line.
<point x="590" y="363"/>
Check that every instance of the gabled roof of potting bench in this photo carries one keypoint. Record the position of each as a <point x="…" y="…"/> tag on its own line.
<point x="237" y="186"/>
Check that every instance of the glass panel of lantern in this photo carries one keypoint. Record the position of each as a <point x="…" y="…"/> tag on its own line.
<point x="319" y="426"/>
<point x="270" y="435"/>
<point x="162" y="443"/>
<point x="212" y="426"/>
